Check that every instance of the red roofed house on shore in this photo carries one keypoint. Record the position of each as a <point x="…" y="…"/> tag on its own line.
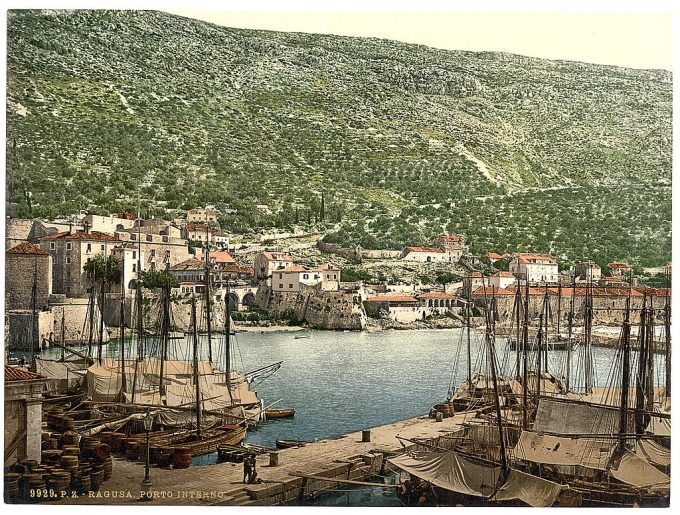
<point x="618" y="269"/>
<point x="424" y="255"/>
<point x="25" y="263"/>
<point x="70" y="250"/>
<point x="536" y="268"/>
<point x="266" y="263"/>
<point x="472" y="281"/>
<point x="23" y="414"/>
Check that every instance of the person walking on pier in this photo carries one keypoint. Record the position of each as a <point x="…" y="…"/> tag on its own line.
<point x="247" y="469"/>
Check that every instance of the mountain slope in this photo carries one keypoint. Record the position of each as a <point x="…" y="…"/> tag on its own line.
<point x="107" y="107"/>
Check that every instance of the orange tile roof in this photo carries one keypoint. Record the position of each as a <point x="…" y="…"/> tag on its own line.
<point x="436" y="295"/>
<point x="192" y="226"/>
<point x="277" y="256"/>
<point x="189" y="264"/>
<point x="27" y="248"/>
<point x="492" y="255"/>
<point x="426" y="249"/>
<point x="326" y="266"/>
<point x="81" y="235"/>
<point x="20" y="374"/>
<point x="528" y="257"/>
<point x="219" y="257"/>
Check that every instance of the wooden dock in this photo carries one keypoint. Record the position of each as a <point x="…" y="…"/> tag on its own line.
<point x="346" y="459"/>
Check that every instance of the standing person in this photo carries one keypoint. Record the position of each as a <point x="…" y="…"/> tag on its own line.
<point x="253" y="470"/>
<point x="247" y="469"/>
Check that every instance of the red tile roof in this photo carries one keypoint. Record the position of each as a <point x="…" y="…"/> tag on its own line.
<point x="528" y="257"/>
<point x="27" y="248"/>
<point x="218" y="257"/>
<point x="492" y="255"/>
<point x="189" y="264"/>
<point x="426" y="249"/>
<point x="191" y="226"/>
<point x="277" y="256"/>
<point x="20" y="374"/>
<point x="326" y="266"/>
<point x="82" y="235"/>
<point x="436" y="295"/>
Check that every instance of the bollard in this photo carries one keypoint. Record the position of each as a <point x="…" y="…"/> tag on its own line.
<point x="366" y="435"/>
<point x="273" y="458"/>
<point x="439" y="416"/>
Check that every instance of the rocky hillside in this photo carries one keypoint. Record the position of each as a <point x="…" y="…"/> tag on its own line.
<point x="109" y="107"/>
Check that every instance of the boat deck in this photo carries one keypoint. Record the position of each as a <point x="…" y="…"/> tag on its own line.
<point x="344" y="458"/>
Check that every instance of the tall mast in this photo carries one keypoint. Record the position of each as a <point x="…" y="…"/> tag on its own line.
<point x="539" y="354"/>
<point x="490" y="341"/>
<point x="650" y="356"/>
<point x="559" y="308"/>
<point x="100" y="341"/>
<point x="588" y="330"/>
<point x="667" y="324"/>
<point x="546" y="314"/>
<point x="467" y="328"/>
<point x="643" y="349"/>
<point x="90" y="312"/>
<point x="34" y="312"/>
<point x="207" y="294"/>
<point x="625" y="377"/>
<point x="227" y="340"/>
<point x="196" y="373"/>
<point x="518" y="322"/>
<point x="525" y="357"/>
<point x="570" y="322"/>
<point x="123" y="378"/>
<point x="165" y="330"/>
<point x="63" y="334"/>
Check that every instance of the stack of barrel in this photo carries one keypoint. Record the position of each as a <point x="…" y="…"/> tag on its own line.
<point x="69" y="464"/>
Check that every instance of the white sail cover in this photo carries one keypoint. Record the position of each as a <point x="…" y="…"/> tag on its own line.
<point x="104" y="384"/>
<point x="454" y="472"/>
<point x="637" y="472"/>
<point x="555" y="450"/>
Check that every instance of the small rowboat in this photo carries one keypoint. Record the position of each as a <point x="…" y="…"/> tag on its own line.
<point x="287" y="444"/>
<point x="279" y="413"/>
<point x="300" y="336"/>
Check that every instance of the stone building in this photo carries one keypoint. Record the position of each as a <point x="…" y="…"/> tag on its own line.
<point x="70" y="250"/>
<point x="536" y="268"/>
<point x="453" y="245"/>
<point x="618" y="269"/>
<point x="502" y="279"/>
<point x="202" y="215"/>
<point x="587" y="271"/>
<point x="109" y="223"/>
<point x="424" y="255"/>
<point x="295" y="278"/>
<point x="23" y="414"/>
<point x="162" y="243"/>
<point x="25" y="264"/>
<point x="267" y="263"/>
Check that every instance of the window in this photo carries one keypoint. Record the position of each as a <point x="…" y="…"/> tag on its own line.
<point x="149" y="237"/>
<point x="53" y="245"/>
<point x="305" y="276"/>
<point x="88" y="249"/>
<point x="290" y="285"/>
<point x="280" y="276"/>
<point x="134" y="254"/>
<point x="68" y="289"/>
<point x="69" y="245"/>
<point x="153" y="253"/>
<point x="280" y="286"/>
<point x="134" y="267"/>
<point x="103" y="247"/>
<point x="153" y="266"/>
<point x="68" y="260"/>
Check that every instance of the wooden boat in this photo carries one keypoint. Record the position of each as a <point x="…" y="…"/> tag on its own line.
<point x="272" y="413"/>
<point x="208" y="441"/>
<point x="300" y="336"/>
<point x="287" y="444"/>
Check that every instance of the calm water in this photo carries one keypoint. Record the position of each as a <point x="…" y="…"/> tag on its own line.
<point x="339" y="382"/>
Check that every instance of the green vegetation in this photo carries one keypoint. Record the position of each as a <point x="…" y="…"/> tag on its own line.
<point x="101" y="268"/>
<point x="377" y="143"/>
<point x="158" y="279"/>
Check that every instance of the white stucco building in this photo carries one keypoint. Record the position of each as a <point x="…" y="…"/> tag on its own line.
<point x="536" y="268"/>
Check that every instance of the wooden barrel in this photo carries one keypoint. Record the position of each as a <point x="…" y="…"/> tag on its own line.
<point x="83" y="483"/>
<point x="69" y="438"/>
<point x="131" y="449"/>
<point x="105" y="437"/>
<point x="165" y="456"/>
<point x="67" y="424"/>
<point x="59" y="482"/>
<point x="35" y="484"/>
<point x="52" y="443"/>
<point x="181" y="458"/>
<point x="12" y="486"/>
<point x="69" y="462"/>
<point x="101" y="451"/>
<point x="29" y="464"/>
<point x="96" y="477"/>
<point x="51" y="456"/>
<point x="115" y="440"/>
<point x="107" y="464"/>
<point x="88" y="445"/>
<point x="70" y="450"/>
